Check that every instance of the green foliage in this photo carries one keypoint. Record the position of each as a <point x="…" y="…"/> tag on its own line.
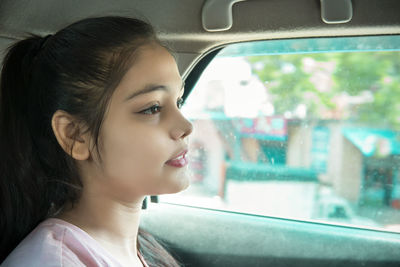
<point x="348" y="75"/>
<point x="360" y="71"/>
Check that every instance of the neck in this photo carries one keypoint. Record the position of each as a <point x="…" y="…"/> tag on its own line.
<point x="112" y="223"/>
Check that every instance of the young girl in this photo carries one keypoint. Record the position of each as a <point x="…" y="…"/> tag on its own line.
<point x="89" y="125"/>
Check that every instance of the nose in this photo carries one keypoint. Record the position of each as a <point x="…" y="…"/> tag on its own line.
<point x="182" y="127"/>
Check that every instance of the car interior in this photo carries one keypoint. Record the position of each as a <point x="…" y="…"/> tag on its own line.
<point x="196" y="31"/>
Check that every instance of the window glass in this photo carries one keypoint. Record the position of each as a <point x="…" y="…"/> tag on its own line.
<point x="304" y="129"/>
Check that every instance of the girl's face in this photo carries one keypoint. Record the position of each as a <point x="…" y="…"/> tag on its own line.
<point x="143" y="141"/>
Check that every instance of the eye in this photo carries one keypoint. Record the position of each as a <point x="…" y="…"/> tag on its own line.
<point x="151" y="110"/>
<point x="179" y="102"/>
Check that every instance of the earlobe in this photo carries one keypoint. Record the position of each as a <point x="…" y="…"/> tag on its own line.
<point x="69" y="135"/>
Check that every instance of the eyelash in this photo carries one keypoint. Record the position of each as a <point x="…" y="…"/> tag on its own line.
<point x="157" y="108"/>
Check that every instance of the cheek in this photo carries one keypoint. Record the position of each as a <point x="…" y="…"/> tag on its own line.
<point x="136" y="149"/>
<point x="134" y="158"/>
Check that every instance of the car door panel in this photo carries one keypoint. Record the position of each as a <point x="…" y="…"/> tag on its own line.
<point x="204" y="237"/>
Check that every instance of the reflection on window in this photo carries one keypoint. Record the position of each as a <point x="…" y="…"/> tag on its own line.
<point x="305" y="129"/>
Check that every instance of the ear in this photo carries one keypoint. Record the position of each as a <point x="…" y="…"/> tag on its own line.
<point x="69" y="135"/>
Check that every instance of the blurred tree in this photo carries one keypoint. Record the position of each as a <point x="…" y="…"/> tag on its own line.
<point x="319" y="80"/>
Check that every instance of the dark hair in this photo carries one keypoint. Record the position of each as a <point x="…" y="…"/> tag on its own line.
<point x="75" y="70"/>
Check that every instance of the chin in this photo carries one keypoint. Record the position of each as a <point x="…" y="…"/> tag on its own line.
<point x="176" y="181"/>
<point x="184" y="186"/>
<point x="176" y="186"/>
<point x="181" y="186"/>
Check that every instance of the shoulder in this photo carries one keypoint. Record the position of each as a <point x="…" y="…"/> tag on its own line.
<point x="54" y="243"/>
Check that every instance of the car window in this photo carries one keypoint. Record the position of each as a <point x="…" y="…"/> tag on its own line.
<point x="304" y="129"/>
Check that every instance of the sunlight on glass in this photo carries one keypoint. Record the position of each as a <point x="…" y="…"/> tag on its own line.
<point x="310" y="136"/>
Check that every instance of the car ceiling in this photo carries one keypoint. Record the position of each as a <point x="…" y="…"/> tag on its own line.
<point x="179" y="22"/>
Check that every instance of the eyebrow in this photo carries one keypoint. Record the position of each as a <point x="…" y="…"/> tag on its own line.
<point x="150" y="88"/>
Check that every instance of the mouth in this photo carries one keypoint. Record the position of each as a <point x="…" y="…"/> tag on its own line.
<point x="179" y="161"/>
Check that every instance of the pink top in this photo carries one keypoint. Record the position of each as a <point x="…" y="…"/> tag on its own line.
<point x="55" y="242"/>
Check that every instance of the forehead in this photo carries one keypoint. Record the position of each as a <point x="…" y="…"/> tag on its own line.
<point x="153" y="64"/>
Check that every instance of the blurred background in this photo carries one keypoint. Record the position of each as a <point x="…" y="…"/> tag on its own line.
<point x="301" y="129"/>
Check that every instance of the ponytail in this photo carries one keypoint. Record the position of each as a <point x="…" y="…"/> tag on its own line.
<point x="33" y="167"/>
<point x="21" y="201"/>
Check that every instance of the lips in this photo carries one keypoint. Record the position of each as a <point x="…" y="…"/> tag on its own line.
<point x="178" y="161"/>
